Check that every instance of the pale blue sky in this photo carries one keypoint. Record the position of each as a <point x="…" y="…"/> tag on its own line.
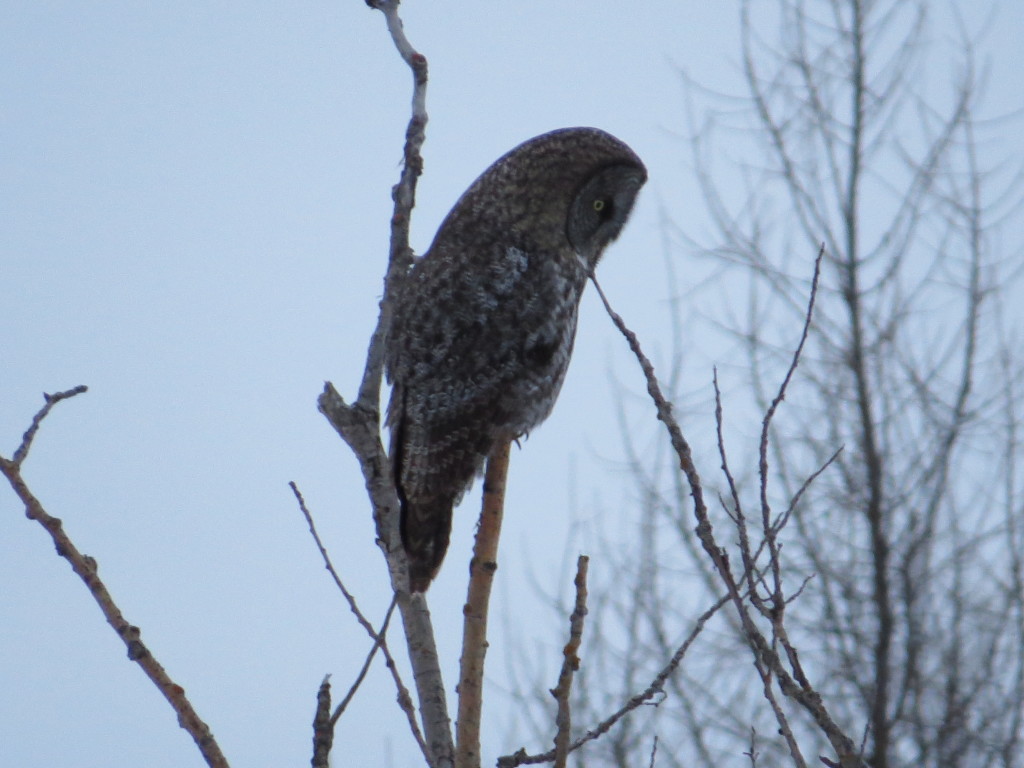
<point x="194" y="213"/>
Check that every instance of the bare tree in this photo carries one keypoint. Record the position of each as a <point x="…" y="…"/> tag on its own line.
<point x="910" y="614"/>
<point x="904" y="556"/>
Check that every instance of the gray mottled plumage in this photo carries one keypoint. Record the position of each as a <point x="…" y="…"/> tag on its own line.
<point x="483" y="324"/>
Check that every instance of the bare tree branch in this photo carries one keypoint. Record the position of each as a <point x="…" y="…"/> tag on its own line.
<point x="323" y="727"/>
<point x="21" y="452"/>
<point x="766" y="659"/>
<point x="404" y="195"/>
<point x="570" y="663"/>
<point x="474" y="629"/>
<point x="404" y="700"/>
<point x="87" y="570"/>
<point x="378" y="638"/>
<point x="656" y="687"/>
<point x="359" y="424"/>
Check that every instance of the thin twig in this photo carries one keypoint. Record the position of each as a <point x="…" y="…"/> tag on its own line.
<point x="705" y="530"/>
<point x="719" y="421"/>
<point x="752" y="753"/>
<point x="778" y="599"/>
<point x="403" y="696"/>
<point x="666" y="417"/>
<point x="88" y="571"/>
<point x="349" y="598"/>
<point x="474" y="629"/>
<point x="51" y="400"/>
<point x="750" y="570"/>
<point x="379" y="641"/>
<point x="657" y="686"/>
<point x="793" y="502"/>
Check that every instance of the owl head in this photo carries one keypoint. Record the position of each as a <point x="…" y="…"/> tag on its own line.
<point x="564" y="192"/>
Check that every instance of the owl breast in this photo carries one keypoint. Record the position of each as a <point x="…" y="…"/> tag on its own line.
<point x="547" y="330"/>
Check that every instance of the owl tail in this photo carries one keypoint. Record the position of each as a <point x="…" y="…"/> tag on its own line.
<point x="426" y="529"/>
<point x="429" y="481"/>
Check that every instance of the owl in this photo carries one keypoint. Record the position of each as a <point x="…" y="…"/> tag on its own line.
<point x="483" y="324"/>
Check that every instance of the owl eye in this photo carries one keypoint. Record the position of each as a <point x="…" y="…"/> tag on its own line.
<point x="602" y="207"/>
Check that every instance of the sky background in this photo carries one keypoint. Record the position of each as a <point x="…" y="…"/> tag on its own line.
<point x="193" y="222"/>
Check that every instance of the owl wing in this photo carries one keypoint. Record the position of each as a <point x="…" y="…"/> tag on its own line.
<point x="450" y="315"/>
<point x="453" y="351"/>
<point x="451" y="340"/>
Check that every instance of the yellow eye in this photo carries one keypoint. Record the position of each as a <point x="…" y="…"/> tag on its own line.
<point x="599" y="205"/>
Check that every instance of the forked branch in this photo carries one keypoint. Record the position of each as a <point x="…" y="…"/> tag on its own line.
<point x="359" y="424"/>
<point x="656" y="688"/>
<point x="790" y="679"/>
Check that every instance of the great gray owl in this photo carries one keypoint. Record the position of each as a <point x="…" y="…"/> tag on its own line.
<point x="484" y="322"/>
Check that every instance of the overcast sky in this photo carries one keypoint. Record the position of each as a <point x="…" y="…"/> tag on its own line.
<point x="193" y="222"/>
